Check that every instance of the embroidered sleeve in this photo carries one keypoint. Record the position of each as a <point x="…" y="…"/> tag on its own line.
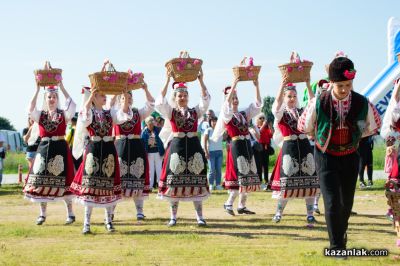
<point x="373" y="122"/>
<point x="253" y="110"/>
<point x="119" y="116"/>
<point x="308" y="118"/>
<point x="69" y="109"/>
<point x="162" y="106"/>
<point x="35" y="115"/>
<point x="202" y="107"/>
<point x="85" y="117"/>
<point x="146" y="110"/>
<point x="226" y="112"/>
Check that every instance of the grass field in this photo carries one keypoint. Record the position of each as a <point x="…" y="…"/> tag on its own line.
<point x="239" y="240"/>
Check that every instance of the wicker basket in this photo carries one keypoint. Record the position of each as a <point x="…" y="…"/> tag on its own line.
<point x="296" y="71"/>
<point x="135" y="80"/>
<point x="246" y="72"/>
<point x="184" y="68"/>
<point x="109" y="81"/>
<point x="48" y="76"/>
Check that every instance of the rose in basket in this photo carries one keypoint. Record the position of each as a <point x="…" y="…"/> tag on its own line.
<point x="109" y="81"/>
<point x="246" y="72"/>
<point x="297" y="70"/>
<point x="48" y="76"/>
<point x="184" y="68"/>
<point x="135" y="80"/>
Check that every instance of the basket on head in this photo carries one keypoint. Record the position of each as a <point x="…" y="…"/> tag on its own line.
<point x="109" y="81"/>
<point x="246" y="72"/>
<point x="135" y="80"/>
<point x="184" y="68"/>
<point x="297" y="70"/>
<point x="48" y="76"/>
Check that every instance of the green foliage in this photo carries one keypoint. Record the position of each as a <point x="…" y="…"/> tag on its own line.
<point x="267" y="108"/>
<point x="6" y="124"/>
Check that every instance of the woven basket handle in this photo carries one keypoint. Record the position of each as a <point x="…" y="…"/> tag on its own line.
<point x="47" y="65"/>
<point x="110" y="68"/>
<point x="184" y="54"/>
<point x="294" y="56"/>
<point x="243" y="62"/>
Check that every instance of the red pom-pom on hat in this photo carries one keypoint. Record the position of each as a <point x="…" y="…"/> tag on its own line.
<point x="179" y="85"/>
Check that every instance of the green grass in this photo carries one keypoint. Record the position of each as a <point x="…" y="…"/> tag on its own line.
<point x="239" y="240"/>
<point x="12" y="160"/>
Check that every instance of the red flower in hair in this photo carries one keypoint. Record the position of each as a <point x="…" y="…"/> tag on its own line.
<point x="350" y="74"/>
<point x="290" y="85"/>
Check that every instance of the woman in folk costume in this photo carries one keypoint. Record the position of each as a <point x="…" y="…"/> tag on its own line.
<point x="132" y="157"/>
<point x="339" y="118"/>
<point x="294" y="173"/>
<point x="241" y="171"/>
<point x="97" y="182"/>
<point x="391" y="133"/>
<point x="184" y="174"/>
<point x="52" y="171"/>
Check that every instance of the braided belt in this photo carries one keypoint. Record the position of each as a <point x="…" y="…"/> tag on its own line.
<point x="130" y="136"/>
<point x="53" y="138"/>
<point x="240" y="137"/>
<point x="98" y="138"/>
<point x="183" y="134"/>
<point x="295" y="137"/>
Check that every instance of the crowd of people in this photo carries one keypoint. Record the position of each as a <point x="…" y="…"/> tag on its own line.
<point x="120" y="151"/>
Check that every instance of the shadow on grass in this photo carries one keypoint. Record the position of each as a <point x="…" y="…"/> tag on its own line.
<point x="7" y="190"/>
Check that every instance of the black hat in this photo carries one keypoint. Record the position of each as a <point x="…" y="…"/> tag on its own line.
<point x="341" y="69"/>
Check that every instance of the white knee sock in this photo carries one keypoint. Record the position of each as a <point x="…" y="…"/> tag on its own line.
<point x="68" y="205"/>
<point x="317" y="199"/>
<point x="139" y="205"/>
<point x="242" y="200"/>
<point x="310" y="206"/>
<point x="281" y="206"/>
<point x="88" y="214"/>
<point x="232" y="196"/>
<point x="43" y="209"/>
<point x="174" y="209"/>
<point x="107" y="213"/>
<point x="198" y="206"/>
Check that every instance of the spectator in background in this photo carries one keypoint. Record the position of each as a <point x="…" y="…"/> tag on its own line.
<point x="154" y="148"/>
<point x="31" y="139"/>
<point x="214" y="155"/>
<point x="204" y="124"/>
<point x="2" y="156"/>
<point x="159" y="122"/>
<point x="365" y="150"/>
<point x="262" y="149"/>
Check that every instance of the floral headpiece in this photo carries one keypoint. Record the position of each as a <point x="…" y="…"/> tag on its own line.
<point x="289" y="87"/>
<point x="179" y="86"/>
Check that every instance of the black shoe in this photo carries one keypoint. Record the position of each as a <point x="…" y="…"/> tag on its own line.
<point x="229" y="210"/>
<point x="245" y="211"/>
<point x="316" y="210"/>
<point x="362" y="185"/>
<point x="40" y="220"/>
<point x="370" y="183"/>
<point x="201" y="223"/>
<point x="110" y="227"/>
<point x="311" y="221"/>
<point x="86" y="229"/>
<point x="70" y="220"/>
<point x="171" y="223"/>
<point x="140" y="217"/>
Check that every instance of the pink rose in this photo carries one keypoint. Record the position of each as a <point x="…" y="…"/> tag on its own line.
<point x="297" y="61"/>
<point x="50" y="75"/>
<point x="289" y="69"/>
<point x="250" y="74"/>
<point x="106" y="78"/>
<point x="196" y="62"/>
<point x="39" y="77"/>
<point x="58" y="77"/>
<point x="300" y="68"/>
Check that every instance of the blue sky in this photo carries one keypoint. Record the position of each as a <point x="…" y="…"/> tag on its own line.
<point x="78" y="35"/>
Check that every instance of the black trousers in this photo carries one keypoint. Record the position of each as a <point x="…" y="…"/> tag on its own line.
<point x="338" y="178"/>
<point x="366" y="159"/>
<point x="262" y="162"/>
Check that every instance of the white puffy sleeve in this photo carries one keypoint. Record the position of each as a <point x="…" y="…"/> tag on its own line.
<point x="163" y="107"/>
<point x="202" y="107"/>
<point x="307" y="120"/>
<point x="253" y="110"/>
<point x="69" y="109"/>
<point x="35" y="115"/>
<point x="373" y="121"/>
<point x="119" y="116"/>
<point x="146" y="110"/>
<point x="85" y="117"/>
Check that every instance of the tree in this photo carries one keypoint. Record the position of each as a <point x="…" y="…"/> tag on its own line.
<point x="6" y="124"/>
<point x="267" y="108"/>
